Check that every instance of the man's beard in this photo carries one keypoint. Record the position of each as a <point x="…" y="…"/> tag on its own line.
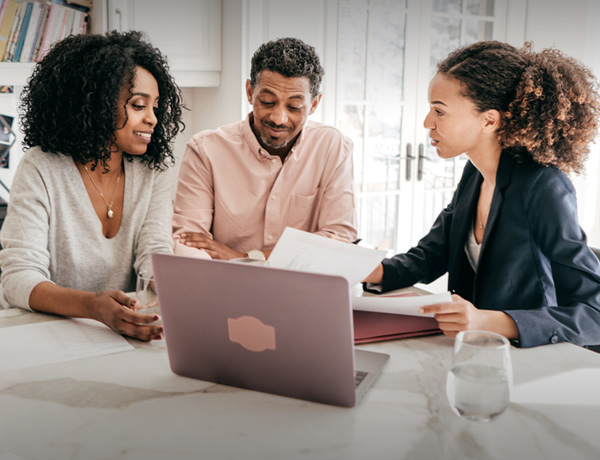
<point x="274" y="144"/>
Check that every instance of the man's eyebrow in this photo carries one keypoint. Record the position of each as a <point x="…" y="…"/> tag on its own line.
<point x="295" y="96"/>
<point x="437" y="103"/>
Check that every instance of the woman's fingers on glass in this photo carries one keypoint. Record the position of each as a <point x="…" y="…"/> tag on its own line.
<point x="145" y="291"/>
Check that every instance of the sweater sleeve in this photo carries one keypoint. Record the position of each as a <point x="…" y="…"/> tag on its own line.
<point x="25" y="259"/>
<point x="155" y="233"/>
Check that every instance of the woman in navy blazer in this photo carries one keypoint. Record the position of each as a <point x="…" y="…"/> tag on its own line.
<point x="510" y="240"/>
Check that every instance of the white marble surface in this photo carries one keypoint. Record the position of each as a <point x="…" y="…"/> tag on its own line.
<point x="131" y="406"/>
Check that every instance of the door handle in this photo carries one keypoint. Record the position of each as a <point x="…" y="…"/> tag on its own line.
<point x="409" y="159"/>
<point x="420" y="162"/>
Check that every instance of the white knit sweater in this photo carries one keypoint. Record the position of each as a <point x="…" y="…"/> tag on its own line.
<point x="52" y="233"/>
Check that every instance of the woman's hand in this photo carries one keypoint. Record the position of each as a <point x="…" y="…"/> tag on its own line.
<point x="376" y="276"/>
<point x="116" y="310"/>
<point x="462" y="315"/>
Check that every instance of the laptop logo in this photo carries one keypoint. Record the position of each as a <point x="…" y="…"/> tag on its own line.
<point x="251" y="333"/>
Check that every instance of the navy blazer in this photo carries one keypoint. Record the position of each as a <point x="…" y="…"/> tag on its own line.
<point x="534" y="263"/>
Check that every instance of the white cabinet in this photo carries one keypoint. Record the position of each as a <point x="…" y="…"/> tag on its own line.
<point x="188" y="32"/>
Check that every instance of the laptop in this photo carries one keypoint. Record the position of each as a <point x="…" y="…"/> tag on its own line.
<point x="265" y="329"/>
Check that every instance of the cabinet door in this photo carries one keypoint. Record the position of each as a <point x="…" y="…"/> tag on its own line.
<point x="188" y="32"/>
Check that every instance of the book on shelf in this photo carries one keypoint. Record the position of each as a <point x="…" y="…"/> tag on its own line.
<point x="3" y="4"/>
<point x="32" y="30"/>
<point x="14" y="33"/>
<point x="39" y="33"/>
<point x="22" y="32"/>
<point x="9" y="12"/>
<point x="29" y="28"/>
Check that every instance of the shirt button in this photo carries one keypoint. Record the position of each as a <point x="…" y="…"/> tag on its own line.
<point x="554" y="339"/>
<point x="273" y="197"/>
<point x="269" y="237"/>
<point x="273" y="160"/>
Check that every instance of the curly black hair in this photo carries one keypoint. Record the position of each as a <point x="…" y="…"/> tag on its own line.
<point x="289" y="57"/>
<point x="548" y="101"/>
<point x="69" y="104"/>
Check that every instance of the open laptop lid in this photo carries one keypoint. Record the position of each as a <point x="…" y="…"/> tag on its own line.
<point x="260" y="328"/>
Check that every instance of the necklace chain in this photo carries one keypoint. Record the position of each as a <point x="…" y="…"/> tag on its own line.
<point x="481" y="224"/>
<point x="109" y="211"/>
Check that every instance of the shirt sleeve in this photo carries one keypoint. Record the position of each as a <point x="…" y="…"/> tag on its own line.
<point x="155" y="233"/>
<point x="25" y="259"/>
<point x="194" y="199"/>
<point x="337" y="207"/>
<point x="574" y="316"/>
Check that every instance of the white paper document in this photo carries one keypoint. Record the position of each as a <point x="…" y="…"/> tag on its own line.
<point x="51" y="342"/>
<point x="307" y="252"/>
<point x="399" y="305"/>
<point x="576" y="387"/>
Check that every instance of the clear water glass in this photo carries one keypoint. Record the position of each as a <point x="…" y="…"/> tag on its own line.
<point x="145" y="291"/>
<point x="479" y="382"/>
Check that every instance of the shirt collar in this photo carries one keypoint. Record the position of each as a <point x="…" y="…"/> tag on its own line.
<point x="257" y="149"/>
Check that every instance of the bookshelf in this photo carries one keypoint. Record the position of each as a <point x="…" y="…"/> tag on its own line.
<point x="16" y="73"/>
<point x="189" y="33"/>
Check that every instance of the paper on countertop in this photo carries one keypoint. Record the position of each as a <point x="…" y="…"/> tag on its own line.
<point x="307" y="252"/>
<point x="402" y="305"/>
<point x="52" y="342"/>
<point x="577" y="387"/>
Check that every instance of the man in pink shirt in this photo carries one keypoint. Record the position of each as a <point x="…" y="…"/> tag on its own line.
<point x="240" y="185"/>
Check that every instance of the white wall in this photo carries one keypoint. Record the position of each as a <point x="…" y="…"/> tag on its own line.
<point x="572" y="27"/>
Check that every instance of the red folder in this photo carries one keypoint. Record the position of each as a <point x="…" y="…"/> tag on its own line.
<point x="377" y="327"/>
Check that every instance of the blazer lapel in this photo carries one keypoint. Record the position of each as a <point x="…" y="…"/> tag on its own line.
<point x="505" y="167"/>
<point x="463" y="216"/>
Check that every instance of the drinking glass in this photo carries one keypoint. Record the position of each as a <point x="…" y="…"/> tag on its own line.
<point x="480" y="378"/>
<point x="145" y="291"/>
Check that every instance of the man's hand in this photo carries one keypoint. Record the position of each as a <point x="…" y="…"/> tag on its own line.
<point x="213" y="248"/>
<point x="462" y="315"/>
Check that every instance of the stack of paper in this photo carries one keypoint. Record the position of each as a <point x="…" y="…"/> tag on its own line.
<point x="376" y="318"/>
<point x="57" y="341"/>
<point x="307" y="252"/>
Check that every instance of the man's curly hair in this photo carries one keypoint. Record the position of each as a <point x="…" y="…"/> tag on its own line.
<point x="289" y="57"/>
<point x="69" y="104"/>
<point x="548" y="101"/>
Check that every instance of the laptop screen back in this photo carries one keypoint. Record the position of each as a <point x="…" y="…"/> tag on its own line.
<point x="260" y="328"/>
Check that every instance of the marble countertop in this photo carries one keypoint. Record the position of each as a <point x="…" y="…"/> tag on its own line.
<point x="130" y="405"/>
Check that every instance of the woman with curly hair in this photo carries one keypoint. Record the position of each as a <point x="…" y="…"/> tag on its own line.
<point x="91" y="199"/>
<point x="516" y="257"/>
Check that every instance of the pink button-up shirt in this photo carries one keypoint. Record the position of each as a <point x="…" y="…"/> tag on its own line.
<point x="231" y="188"/>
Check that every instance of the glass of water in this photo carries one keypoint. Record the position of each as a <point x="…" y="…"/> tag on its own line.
<point x="480" y="378"/>
<point x="145" y="291"/>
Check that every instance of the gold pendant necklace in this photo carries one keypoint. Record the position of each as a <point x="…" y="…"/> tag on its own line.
<point x="480" y="219"/>
<point x="109" y="211"/>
